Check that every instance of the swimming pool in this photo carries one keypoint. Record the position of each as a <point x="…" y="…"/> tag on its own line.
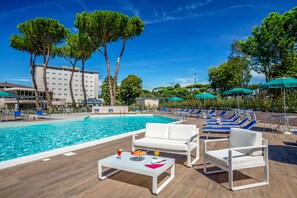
<point x="21" y="141"/>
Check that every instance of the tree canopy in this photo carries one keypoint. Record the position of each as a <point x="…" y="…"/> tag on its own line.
<point x="105" y="27"/>
<point x="272" y="46"/>
<point x="131" y="88"/>
<point x="44" y="34"/>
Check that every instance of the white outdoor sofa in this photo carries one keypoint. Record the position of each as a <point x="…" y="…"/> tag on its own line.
<point x="246" y="149"/>
<point x="170" y="138"/>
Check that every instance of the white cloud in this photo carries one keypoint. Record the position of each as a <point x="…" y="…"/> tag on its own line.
<point x="22" y="79"/>
<point x="257" y="75"/>
<point x="184" y="81"/>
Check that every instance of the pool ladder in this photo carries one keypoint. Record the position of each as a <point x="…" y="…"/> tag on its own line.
<point x="124" y="114"/>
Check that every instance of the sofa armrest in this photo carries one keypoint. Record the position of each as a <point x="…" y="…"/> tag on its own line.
<point x="217" y="140"/>
<point x="247" y="147"/>
<point x="192" y="138"/>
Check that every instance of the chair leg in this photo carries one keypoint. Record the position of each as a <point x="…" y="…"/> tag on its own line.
<point x="230" y="176"/>
<point x="189" y="159"/>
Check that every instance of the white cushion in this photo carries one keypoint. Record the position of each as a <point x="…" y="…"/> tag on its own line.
<point x="152" y="143"/>
<point x="156" y="130"/>
<point x="181" y="131"/>
<point x="238" y="158"/>
<point x="243" y="137"/>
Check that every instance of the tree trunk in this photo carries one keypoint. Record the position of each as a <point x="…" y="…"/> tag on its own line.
<point x="70" y="85"/>
<point x="32" y="71"/>
<point x="112" y="99"/>
<point x="48" y="97"/>
<point x="115" y="79"/>
<point x="83" y="80"/>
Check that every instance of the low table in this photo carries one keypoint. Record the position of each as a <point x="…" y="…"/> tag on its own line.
<point x="129" y="163"/>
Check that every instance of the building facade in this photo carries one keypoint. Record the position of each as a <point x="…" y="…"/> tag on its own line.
<point x="24" y="97"/>
<point x="58" y="82"/>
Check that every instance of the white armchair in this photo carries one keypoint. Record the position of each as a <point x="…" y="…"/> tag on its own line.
<point x="246" y="149"/>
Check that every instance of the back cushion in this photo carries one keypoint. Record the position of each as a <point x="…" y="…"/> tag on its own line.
<point x="156" y="130"/>
<point x="181" y="131"/>
<point x="243" y="137"/>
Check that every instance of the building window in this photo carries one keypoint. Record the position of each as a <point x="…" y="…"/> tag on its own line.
<point x="65" y="94"/>
<point x="54" y="88"/>
<point x="65" y="79"/>
<point x="65" y="84"/>
<point x="54" y="83"/>
<point x="65" y="74"/>
<point x="60" y="74"/>
<point x="59" y="78"/>
<point x="65" y="89"/>
<point x="59" y="89"/>
<point x="76" y="95"/>
<point x="47" y="72"/>
<point x="59" y="84"/>
<point x="91" y="81"/>
<point x="59" y="94"/>
<point x="54" y="73"/>
<point x="54" y="78"/>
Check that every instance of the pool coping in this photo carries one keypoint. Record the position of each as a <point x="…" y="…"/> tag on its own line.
<point x="63" y="150"/>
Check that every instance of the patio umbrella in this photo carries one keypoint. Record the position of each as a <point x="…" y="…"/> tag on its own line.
<point x="175" y="99"/>
<point x="238" y="91"/>
<point x="205" y="96"/>
<point x="5" y="94"/>
<point x="282" y="83"/>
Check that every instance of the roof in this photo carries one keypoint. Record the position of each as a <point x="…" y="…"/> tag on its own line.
<point x="67" y="68"/>
<point x="11" y="85"/>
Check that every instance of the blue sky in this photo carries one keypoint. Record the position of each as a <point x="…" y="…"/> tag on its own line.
<point x="180" y="37"/>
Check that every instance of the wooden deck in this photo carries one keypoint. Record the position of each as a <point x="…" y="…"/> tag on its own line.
<point x="76" y="176"/>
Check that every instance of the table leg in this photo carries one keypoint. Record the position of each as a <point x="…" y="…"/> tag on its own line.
<point x="157" y="190"/>
<point x="100" y="173"/>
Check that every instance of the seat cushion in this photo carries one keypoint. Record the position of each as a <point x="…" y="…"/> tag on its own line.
<point x="181" y="131"/>
<point x="153" y="143"/>
<point x="156" y="130"/>
<point x="221" y="157"/>
<point x="243" y="137"/>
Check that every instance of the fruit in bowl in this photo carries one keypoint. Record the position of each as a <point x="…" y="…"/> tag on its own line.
<point x="138" y="153"/>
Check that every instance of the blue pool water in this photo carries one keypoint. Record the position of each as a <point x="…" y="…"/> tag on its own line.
<point x="27" y="140"/>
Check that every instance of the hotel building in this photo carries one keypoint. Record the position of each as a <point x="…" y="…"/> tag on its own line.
<point x="24" y="96"/>
<point x="58" y="82"/>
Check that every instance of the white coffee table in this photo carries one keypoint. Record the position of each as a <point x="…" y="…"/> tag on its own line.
<point x="127" y="163"/>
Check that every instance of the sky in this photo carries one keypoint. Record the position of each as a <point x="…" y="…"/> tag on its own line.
<point x="180" y="37"/>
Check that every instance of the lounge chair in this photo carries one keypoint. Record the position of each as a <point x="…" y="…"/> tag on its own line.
<point x="217" y="121"/>
<point x="40" y="114"/>
<point x="211" y="113"/>
<point x="246" y="150"/>
<point x="222" y="114"/>
<point x="227" y="129"/>
<point x="136" y="110"/>
<point x="229" y="124"/>
<point x="19" y="114"/>
<point x="223" y="119"/>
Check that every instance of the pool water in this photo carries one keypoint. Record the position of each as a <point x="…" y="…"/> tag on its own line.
<point x="27" y="140"/>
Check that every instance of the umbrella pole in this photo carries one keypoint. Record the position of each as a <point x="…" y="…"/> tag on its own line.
<point x="204" y="103"/>
<point x="286" y="122"/>
<point x="238" y="101"/>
